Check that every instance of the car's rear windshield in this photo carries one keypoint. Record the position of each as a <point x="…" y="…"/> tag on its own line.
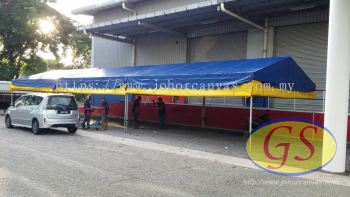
<point x="62" y="102"/>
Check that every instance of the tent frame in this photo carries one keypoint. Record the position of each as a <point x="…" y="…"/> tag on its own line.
<point x="126" y="114"/>
<point x="250" y="121"/>
<point x="251" y="115"/>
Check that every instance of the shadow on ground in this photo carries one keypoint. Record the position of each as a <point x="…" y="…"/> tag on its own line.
<point x="231" y="143"/>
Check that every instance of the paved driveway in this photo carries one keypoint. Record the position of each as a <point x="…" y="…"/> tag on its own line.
<point x="141" y="164"/>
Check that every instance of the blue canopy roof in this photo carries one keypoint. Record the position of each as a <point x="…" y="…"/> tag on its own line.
<point x="230" y="74"/>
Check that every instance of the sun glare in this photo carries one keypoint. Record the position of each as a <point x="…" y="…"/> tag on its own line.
<point x="46" y="26"/>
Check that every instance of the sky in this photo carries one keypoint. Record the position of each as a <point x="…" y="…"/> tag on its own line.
<point x="66" y="7"/>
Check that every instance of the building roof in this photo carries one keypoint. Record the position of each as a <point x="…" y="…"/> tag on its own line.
<point x="199" y="15"/>
<point x="92" y="9"/>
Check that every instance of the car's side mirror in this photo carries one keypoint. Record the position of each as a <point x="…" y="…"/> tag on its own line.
<point x="12" y="104"/>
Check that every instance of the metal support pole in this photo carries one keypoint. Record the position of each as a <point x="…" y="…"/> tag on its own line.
<point x="294" y="104"/>
<point x="126" y="114"/>
<point x="251" y="115"/>
<point x="250" y="122"/>
<point x="203" y="112"/>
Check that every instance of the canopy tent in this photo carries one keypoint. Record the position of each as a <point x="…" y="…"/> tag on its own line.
<point x="273" y="77"/>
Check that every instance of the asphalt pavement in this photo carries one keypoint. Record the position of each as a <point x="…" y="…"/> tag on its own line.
<point x="143" y="162"/>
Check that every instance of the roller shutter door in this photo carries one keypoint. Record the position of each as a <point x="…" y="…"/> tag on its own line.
<point x="218" y="47"/>
<point x="307" y="45"/>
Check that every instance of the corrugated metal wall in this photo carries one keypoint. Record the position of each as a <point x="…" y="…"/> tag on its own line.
<point x="307" y="44"/>
<point x="159" y="48"/>
<point x="108" y="53"/>
<point x="219" y="47"/>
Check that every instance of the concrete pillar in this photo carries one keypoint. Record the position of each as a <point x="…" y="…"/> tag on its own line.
<point x="337" y="82"/>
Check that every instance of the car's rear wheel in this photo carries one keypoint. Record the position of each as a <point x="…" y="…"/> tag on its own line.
<point x="35" y="127"/>
<point x="72" y="129"/>
<point x="8" y="122"/>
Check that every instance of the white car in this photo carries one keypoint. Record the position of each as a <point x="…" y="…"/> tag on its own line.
<point x="40" y="111"/>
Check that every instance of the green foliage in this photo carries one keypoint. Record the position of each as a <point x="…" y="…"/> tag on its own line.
<point x="4" y="70"/>
<point x="81" y="45"/>
<point x="20" y="39"/>
<point x="54" y="65"/>
<point x="33" y="66"/>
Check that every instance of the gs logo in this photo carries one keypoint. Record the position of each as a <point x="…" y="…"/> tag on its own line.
<point x="291" y="147"/>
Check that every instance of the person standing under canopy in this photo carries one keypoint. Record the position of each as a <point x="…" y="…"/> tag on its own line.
<point x="87" y="113"/>
<point x="104" y="114"/>
<point x="160" y="105"/>
<point x="136" y="110"/>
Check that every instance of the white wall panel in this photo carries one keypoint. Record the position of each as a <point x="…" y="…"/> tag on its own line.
<point x="159" y="48"/>
<point x="109" y="53"/>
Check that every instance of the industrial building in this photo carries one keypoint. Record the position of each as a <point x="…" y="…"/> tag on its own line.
<point x="149" y="32"/>
<point x="191" y="31"/>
